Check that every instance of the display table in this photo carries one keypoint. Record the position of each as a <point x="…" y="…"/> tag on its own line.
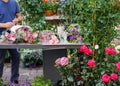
<point x="50" y="54"/>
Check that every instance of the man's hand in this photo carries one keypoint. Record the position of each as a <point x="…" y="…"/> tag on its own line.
<point x="15" y="21"/>
<point x="9" y="25"/>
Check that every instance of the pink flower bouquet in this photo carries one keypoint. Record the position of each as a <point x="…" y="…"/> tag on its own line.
<point x="49" y="37"/>
<point x="23" y="34"/>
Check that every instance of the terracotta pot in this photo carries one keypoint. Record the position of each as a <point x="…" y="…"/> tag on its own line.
<point x="49" y="12"/>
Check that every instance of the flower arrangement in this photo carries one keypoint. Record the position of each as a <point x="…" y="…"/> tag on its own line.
<point x="22" y="34"/>
<point x="74" y="35"/>
<point x="49" y="37"/>
<point x="90" y="71"/>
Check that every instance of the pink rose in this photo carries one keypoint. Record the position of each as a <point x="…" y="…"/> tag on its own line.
<point x="13" y="36"/>
<point x="64" y="61"/>
<point x="53" y="37"/>
<point x="114" y="76"/>
<point x="57" y="62"/>
<point x="25" y="37"/>
<point x="110" y="51"/>
<point x="106" y="78"/>
<point x="29" y="34"/>
<point x="34" y="35"/>
<point x="7" y="35"/>
<point x="91" y="63"/>
<point x="51" y="41"/>
<point x="118" y="66"/>
<point x="56" y="41"/>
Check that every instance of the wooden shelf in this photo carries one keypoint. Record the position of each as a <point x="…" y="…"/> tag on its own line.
<point x="55" y="17"/>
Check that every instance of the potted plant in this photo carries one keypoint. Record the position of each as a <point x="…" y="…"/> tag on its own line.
<point x="49" y="7"/>
<point x="31" y="58"/>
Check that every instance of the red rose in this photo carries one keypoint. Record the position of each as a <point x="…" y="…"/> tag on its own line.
<point x="118" y="66"/>
<point x="83" y="48"/>
<point x="106" y="78"/>
<point x="114" y="76"/>
<point x="88" y="51"/>
<point x="91" y="63"/>
<point x="110" y="51"/>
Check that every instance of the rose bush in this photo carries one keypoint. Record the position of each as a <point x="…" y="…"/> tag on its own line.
<point x="104" y="71"/>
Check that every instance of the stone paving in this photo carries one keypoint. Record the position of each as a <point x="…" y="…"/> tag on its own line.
<point x="26" y="74"/>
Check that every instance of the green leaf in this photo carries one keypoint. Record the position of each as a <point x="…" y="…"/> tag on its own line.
<point x="70" y="78"/>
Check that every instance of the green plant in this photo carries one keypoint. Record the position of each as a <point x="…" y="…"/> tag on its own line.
<point x="70" y="10"/>
<point x="49" y="6"/>
<point x="32" y="13"/>
<point x="68" y="68"/>
<point x="85" y="70"/>
<point x="31" y="58"/>
<point x="40" y="81"/>
<point x="1" y="83"/>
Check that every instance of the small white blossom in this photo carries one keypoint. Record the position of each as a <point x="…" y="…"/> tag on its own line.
<point x="96" y="47"/>
<point x="117" y="48"/>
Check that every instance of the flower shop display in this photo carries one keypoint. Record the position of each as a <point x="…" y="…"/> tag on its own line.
<point x="48" y="37"/>
<point x="20" y="34"/>
<point x="86" y="70"/>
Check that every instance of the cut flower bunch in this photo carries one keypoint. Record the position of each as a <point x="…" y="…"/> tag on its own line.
<point x="20" y="34"/>
<point x="48" y="37"/>
<point x="103" y="71"/>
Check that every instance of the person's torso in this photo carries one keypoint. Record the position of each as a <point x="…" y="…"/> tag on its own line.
<point x="8" y="11"/>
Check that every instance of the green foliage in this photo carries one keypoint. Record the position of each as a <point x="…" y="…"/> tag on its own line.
<point x="29" y="57"/>
<point x="40" y="81"/>
<point x="1" y="83"/>
<point x="32" y="13"/>
<point x="97" y="19"/>
<point x="49" y="6"/>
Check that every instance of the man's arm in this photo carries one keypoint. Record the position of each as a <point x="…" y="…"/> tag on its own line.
<point x="17" y="19"/>
<point x="6" y="25"/>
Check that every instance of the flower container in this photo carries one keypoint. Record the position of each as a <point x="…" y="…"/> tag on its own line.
<point x="48" y="12"/>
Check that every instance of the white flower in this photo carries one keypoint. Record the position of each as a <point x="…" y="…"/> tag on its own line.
<point x="96" y="47"/>
<point x="117" y="48"/>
